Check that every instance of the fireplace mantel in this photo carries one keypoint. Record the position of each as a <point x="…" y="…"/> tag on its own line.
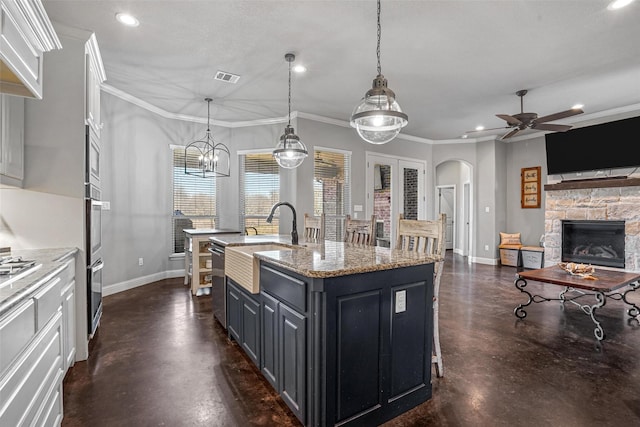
<point x="580" y="184"/>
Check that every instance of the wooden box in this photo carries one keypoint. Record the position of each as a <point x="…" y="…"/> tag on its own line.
<point x="532" y="256"/>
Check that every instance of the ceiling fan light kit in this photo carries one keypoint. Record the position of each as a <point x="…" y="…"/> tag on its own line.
<point x="378" y="117"/>
<point x="206" y="158"/>
<point x="290" y="152"/>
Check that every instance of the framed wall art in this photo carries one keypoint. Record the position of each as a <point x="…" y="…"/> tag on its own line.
<point x="530" y="187"/>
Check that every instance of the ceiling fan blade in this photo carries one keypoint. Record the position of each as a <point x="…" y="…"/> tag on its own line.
<point x="558" y="116"/>
<point x="509" y="119"/>
<point x="511" y="133"/>
<point x="550" y="126"/>
<point x="488" y="129"/>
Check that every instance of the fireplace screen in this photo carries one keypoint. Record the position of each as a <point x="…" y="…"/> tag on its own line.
<point x="593" y="242"/>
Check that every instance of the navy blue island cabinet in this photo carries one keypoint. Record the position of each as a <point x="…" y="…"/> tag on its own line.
<point x="345" y="350"/>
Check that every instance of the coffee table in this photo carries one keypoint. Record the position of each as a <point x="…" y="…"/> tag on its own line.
<point x="608" y="284"/>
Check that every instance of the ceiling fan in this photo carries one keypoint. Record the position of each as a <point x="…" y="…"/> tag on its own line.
<point x="522" y="121"/>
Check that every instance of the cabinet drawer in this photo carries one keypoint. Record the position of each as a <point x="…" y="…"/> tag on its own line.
<point x="48" y="301"/>
<point x="68" y="274"/>
<point x="27" y="383"/>
<point x="284" y="287"/>
<point x="16" y="330"/>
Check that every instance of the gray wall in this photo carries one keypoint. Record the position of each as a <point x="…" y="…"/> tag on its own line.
<point x="529" y="222"/>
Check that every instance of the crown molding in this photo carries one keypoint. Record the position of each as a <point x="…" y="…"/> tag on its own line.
<point x="92" y="49"/>
<point x="42" y="34"/>
<point x="187" y="118"/>
<point x="634" y="108"/>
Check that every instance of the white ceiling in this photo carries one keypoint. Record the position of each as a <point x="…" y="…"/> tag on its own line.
<point x="452" y="64"/>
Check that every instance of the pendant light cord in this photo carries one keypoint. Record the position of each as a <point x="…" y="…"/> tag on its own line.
<point x="378" y="46"/>
<point x="289" y="93"/>
<point x="208" y="115"/>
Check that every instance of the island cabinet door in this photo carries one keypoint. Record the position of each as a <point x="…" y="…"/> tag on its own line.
<point x="251" y="328"/>
<point x="377" y="345"/>
<point x="292" y="359"/>
<point x="269" y="339"/>
<point x="234" y="310"/>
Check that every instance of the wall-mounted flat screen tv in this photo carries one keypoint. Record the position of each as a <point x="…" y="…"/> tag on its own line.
<point x="606" y="146"/>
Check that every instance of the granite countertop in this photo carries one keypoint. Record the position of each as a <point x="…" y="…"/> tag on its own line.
<point x="50" y="261"/>
<point x="327" y="258"/>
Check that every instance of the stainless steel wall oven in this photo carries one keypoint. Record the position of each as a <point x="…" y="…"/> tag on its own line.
<point x="93" y="232"/>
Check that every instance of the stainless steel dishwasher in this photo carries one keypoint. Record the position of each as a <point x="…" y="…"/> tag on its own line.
<point x="218" y="284"/>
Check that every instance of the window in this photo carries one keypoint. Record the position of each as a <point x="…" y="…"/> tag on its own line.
<point x="194" y="200"/>
<point x="260" y="190"/>
<point x="332" y="189"/>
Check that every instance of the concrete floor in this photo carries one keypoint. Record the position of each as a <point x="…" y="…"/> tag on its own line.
<point x="160" y="360"/>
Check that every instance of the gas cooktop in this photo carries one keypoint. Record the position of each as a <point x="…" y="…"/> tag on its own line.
<point x="14" y="268"/>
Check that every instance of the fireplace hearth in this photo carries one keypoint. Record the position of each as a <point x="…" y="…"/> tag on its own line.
<point x="594" y="242"/>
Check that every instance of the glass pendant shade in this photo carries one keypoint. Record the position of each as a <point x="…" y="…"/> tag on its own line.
<point x="290" y="151"/>
<point x="205" y="158"/>
<point x="378" y="117"/>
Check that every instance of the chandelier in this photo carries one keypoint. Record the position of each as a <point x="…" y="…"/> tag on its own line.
<point x="204" y="157"/>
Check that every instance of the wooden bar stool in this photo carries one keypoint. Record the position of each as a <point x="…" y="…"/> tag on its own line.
<point x="427" y="236"/>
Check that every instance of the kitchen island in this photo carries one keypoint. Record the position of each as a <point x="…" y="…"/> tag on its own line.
<point x="342" y="332"/>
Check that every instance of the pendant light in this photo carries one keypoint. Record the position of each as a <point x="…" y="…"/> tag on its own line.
<point x="290" y="151"/>
<point x="204" y="157"/>
<point x="378" y="118"/>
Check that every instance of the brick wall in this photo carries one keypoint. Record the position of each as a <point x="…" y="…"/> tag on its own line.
<point x="615" y="204"/>
<point x="411" y="193"/>
<point x="382" y="200"/>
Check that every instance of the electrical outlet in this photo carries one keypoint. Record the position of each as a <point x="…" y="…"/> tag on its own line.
<point x="401" y="301"/>
<point x="486" y="248"/>
<point x="140" y="261"/>
<point x="486" y="209"/>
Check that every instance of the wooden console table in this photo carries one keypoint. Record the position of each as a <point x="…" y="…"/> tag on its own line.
<point x="608" y="284"/>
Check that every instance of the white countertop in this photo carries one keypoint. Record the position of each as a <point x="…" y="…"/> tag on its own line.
<point x="51" y="261"/>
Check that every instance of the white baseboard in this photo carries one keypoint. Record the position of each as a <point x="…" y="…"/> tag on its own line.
<point x="458" y="251"/>
<point x="140" y="281"/>
<point x="488" y="261"/>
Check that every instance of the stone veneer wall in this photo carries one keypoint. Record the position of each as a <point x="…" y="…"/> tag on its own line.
<point x="615" y="204"/>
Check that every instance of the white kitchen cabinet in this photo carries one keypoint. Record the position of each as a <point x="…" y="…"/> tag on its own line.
<point x="68" y="314"/>
<point x="11" y="140"/>
<point x="35" y="346"/>
<point x="95" y="75"/>
<point x="26" y="34"/>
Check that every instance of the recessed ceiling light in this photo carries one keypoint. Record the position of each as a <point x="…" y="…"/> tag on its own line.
<point x="299" y="68"/>
<point x="577" y="106"/>
<point x="618" y="4"/>
<point x="465" y="136"/>
<point x="126" y="19"/>
<point x="480" y="127"/>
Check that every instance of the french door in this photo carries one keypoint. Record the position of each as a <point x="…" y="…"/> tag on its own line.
<point x="395" y="186"/>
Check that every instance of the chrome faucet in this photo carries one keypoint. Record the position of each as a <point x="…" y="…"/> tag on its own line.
<point x="294" y="230"/>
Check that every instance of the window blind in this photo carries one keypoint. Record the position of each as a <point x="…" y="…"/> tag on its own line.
<point x="194" y="199"/>
<point x="260" y="190"/>
<point x="332" y="189"/>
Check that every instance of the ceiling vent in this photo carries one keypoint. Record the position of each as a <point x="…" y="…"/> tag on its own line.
<point x="223" y="76"/>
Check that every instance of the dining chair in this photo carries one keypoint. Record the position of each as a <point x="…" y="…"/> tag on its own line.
<point x="361" y="231"/>
<point x="427" y="236"/>
<point x="313" y="227"/>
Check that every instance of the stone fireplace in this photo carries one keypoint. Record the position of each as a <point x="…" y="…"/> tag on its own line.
<point x="596" y="201"/>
